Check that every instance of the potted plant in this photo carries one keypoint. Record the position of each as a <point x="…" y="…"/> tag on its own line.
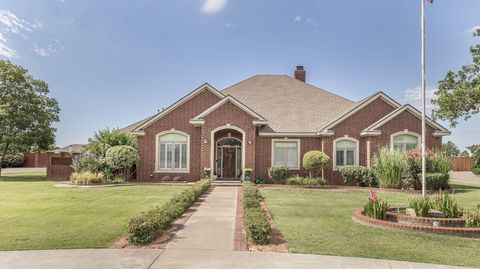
<point x="207" y="172"/>
<point x="247" y="174"/>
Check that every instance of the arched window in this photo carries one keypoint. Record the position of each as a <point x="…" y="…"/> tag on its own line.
<point x="345" y="152"/>
<point x="172" y="151"/>
<point x="404" y="142"/>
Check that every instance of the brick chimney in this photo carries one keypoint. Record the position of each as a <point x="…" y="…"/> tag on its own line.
<point x="300" y="73"/>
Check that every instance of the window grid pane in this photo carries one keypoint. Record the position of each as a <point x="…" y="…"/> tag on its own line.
<point x="285" y="153"/>
<point x="340" y="158"/>
<point x="350" y="157"/>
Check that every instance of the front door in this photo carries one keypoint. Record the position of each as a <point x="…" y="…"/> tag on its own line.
<point x="229" y="162"/>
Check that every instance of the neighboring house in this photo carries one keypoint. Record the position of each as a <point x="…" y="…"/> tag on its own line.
<point x="273" y="120"/>
<point x="72" y="149"/>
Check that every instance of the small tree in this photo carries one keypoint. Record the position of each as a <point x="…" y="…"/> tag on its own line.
<point x="315" y="161"/>
<point x="105" y="139"/>
<point x="122" y="158"/>
<point x="450" y="149"/>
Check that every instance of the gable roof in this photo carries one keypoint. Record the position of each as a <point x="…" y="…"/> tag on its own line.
<point x="289" y="105"/>
<point x="146" y="122"/>
<point x="357" y="107"/>
<point x="258" y="118"/>
<point x="374" y="128"/>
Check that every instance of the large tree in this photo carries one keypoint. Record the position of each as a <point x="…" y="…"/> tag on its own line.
<point x="458" y="94"/>
<point x="26" y="111"/>
<point x="450" y="149"/>
<point x="474" y="151"/>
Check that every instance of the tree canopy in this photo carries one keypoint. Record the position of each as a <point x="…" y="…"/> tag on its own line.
<point x="105" y="139"/>
<point x="458" y="94"/>
<point x="450" y="149"/>
<point x="26" y="111"/>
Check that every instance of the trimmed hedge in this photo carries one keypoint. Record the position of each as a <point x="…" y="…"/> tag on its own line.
<point x="437" y="181"/>
<point x="256" y="223"/>
<point x="359" y="175"/>
<point x="148" y="225"/>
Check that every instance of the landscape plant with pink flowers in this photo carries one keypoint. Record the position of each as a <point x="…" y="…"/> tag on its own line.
<point x="375" y="207"/>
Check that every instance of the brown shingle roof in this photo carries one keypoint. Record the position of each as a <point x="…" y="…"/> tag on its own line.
<point x="288" y="104"/>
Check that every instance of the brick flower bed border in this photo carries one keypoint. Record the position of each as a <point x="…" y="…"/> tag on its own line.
<point x="444" y="222"/>
<point x="358" y="216"/>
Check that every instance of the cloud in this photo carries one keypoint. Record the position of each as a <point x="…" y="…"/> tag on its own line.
<point x="213" y="6"/>
<point x="307" y="21"/>
<point x="49" y="49"/>
<point x="10" y="26"/>
<point x="413" y="96"/>
<point x="229" y="25"/>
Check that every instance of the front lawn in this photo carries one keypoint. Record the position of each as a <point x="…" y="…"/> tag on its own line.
<point x="319" y="222"/>
<point x="36" y="215"/>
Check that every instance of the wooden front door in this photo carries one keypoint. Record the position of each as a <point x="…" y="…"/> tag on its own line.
<point x="229" y="162"/>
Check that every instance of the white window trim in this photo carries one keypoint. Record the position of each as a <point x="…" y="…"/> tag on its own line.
<point x="406" y="132"/>
<point x="170" y="170"/>
<point x="357" y="150"/>
<point x="286" y="140"/>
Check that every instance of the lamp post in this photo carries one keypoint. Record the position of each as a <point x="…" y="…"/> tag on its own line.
<point x="423" y="99"/>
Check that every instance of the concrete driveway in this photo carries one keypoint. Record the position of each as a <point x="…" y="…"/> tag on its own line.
<point x="467" y="178"/>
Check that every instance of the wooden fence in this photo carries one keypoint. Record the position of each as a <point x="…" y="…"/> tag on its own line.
<point x="59" y="166"/>
<point x="462" y="163"/>
<point x="36" y="159"/>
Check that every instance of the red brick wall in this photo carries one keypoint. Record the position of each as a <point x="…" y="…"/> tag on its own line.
<point x="179" y="119"/>
<point x="228" y="113"/>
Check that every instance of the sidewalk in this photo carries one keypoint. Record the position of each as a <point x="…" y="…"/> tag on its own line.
<point x="212" y="226"/>
<point x="185" y="258"/>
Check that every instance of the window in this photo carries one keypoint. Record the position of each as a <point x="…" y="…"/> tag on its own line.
<point x="346" y="152"/>
<point x="405" y="142"/>
<point x="172" y="152"/>
<point x="286" y="153"/>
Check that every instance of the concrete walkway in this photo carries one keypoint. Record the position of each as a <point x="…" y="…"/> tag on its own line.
<point x="184" y="258"/>
<point x="467" y="178"/>
<point x="212" y="226"/>
<point x="22" y="170"/>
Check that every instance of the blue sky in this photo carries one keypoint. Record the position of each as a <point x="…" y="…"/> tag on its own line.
<point x="111" y="63"/>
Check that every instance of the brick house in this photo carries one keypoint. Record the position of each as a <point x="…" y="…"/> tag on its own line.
<point x="273" y="120"/>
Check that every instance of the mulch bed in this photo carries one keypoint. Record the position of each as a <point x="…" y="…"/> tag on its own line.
<point x="277" y="243"/>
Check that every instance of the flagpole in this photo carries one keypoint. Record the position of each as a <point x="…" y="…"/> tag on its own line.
<point x="423" y="100"/>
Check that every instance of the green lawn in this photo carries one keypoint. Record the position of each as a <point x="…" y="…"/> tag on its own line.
<point x="36" y="215"/>
<point x="319" y="221"/>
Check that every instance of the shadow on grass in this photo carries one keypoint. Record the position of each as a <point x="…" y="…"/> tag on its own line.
<point x="20" y="177"/>
<point x="460" y="188"/>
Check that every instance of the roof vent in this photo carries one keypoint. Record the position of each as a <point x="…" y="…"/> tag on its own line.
<point x="300" y="73"/>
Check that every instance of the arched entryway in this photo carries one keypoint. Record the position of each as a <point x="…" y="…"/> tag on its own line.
<point x="228" y="152"/>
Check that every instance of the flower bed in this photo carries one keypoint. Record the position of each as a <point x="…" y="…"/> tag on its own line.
<point x="419" y="226"/>
<point x="396" y="214"/>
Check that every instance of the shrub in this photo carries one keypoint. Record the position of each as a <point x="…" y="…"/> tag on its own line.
<point x="13" y="160"/>
<point x="389" y="165"/>
<point x="247" y="174"/>
<point x="437" y="181"/>
<point x="375" y="207"/>
<point x="447" y="205"/>
<point x="476" y="166"/>
<point x="118" y="180"/>
<point x="177" y="178"/>
<point x="87" y="178"/>
<point x="166" y="178"/>
<point x="88" y="162"/>
<point x="148" y="225"/>
<point x="440" y="163"/>
<point x="314" y="161"/>
<point x="278" y="174"/>
<point x="256" y="223"/>
<point x="359" y="176"/>
<point x="259" y="180"/>
<point x="207" y="172"/>
<point x="121" y="158"/>
<point x="472" y="219"/>
<point x="305" y="181"/>
<point x="421" y="206"/>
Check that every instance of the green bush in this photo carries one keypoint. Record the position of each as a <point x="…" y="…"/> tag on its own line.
<point x="314" y="161"/>
<point x="247" y="174"/>
<point x="441" y="163"/>
<point x="437" y="181"/>
<point x="476" y="166"/>
<point x="472" y="219"/>
<point x="87" y="178"/>
<point x="421" y="206"/>
<point x="256" y="223"/>
<point x="305" y="181"/>
<point x="148" y="225"/>
<point x="375" y="207"/>
<point x="359" y="175"/>
<point x="13" y="160"/>
<point x="121" y="158"/>
<point x="278" y="174"/>
<point x="105" y="139"/>
<point x="447" y="205"/>
<point x="388" y="166"/>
